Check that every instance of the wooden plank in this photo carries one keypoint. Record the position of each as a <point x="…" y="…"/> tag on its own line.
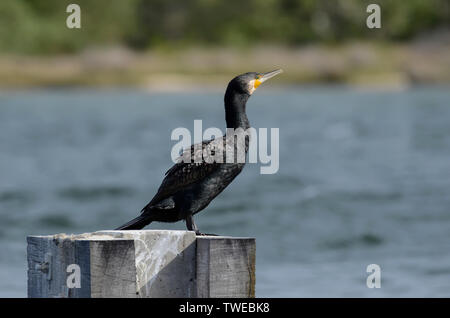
<point x="48" y="258"/>
<point x="112" y="269"/>
<point x="225" y="267"/>
<point x="165" y="262"/>
<point x="37" y="278"/>
<point x="148" y="263"/>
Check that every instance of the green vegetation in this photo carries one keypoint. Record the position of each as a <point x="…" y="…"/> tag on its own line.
<point x="179" y="44"/>
<point x="38" y="26"/>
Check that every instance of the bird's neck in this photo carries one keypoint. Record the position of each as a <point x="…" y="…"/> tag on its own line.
<point x="235" y="115"/>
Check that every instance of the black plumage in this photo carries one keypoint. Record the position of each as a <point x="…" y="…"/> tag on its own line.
<point x="202" y="172"/>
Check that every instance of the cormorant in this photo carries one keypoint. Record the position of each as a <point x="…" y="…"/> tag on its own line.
<point x="190" y="185"/>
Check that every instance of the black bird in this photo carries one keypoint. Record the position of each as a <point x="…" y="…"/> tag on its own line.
<point x="203" y="171"/>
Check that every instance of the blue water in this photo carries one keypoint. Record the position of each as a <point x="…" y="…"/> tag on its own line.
<point x="364" y="178"/>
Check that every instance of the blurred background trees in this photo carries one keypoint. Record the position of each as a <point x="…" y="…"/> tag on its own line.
<point x="38" y="27"/>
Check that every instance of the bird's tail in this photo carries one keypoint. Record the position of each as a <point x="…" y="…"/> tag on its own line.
<point x="136" y="223"/>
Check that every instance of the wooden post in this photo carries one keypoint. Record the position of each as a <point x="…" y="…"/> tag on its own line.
<point x="147" y="263"/>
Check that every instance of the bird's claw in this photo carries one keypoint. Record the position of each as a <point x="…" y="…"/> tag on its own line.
<point x="205" y="234"/>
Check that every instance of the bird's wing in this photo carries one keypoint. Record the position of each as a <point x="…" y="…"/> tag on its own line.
<point x="193" y="165"/>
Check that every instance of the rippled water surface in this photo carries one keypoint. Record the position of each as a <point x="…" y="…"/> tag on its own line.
<point x="364" y="178"/>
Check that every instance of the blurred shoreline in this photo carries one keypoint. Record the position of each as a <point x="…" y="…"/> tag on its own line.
<point x="372" y="64"/>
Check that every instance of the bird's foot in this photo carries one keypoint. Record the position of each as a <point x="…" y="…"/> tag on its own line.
<point x="198" y="233"/>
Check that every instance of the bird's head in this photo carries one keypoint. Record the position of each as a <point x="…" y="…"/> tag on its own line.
<point x="248" y="82"/>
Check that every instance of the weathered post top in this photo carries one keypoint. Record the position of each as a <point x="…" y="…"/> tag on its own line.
<point x="144" y="263"/>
